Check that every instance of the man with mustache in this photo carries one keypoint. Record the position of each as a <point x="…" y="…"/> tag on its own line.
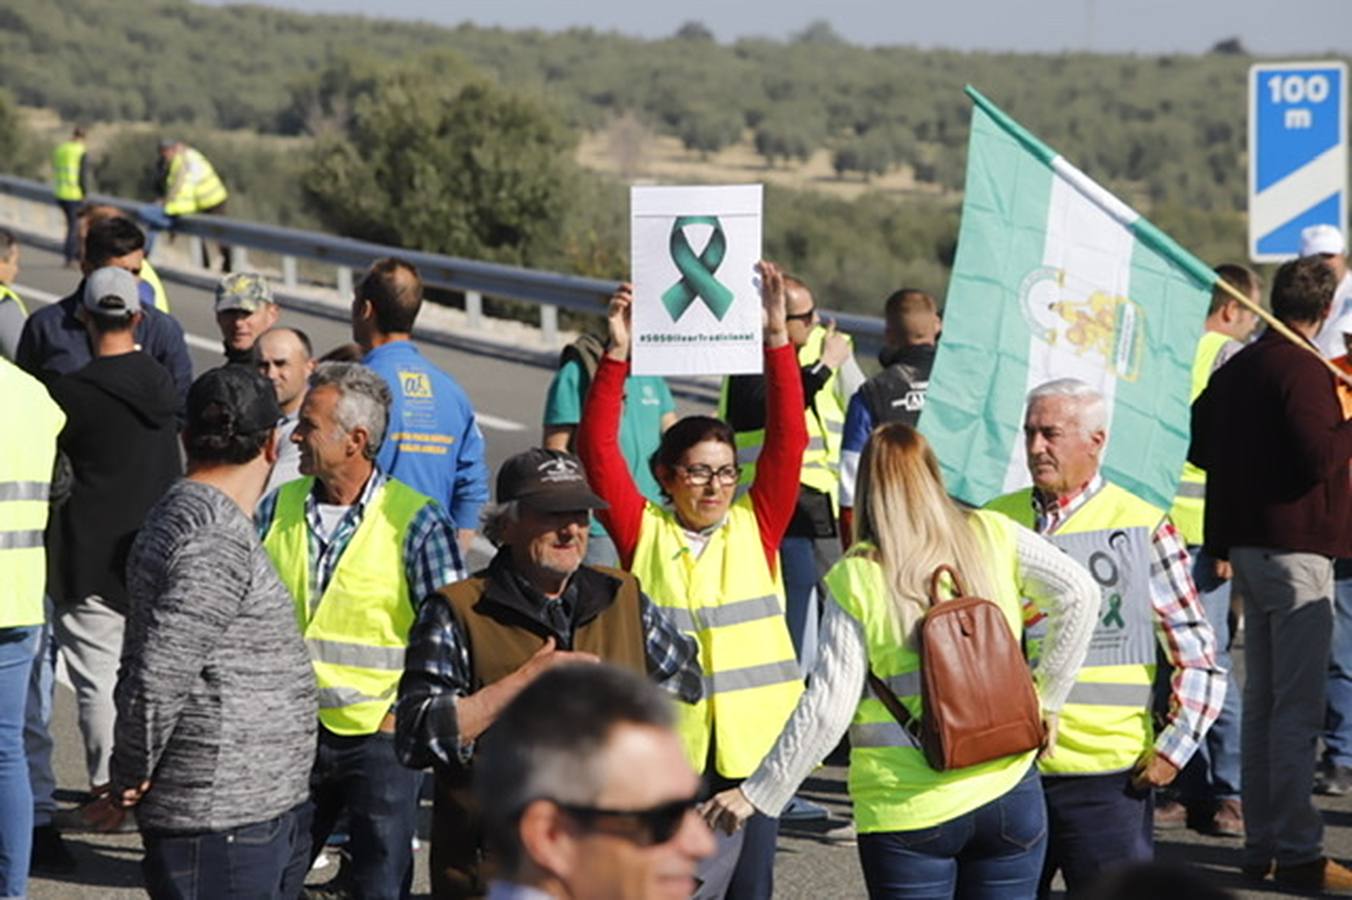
<point x="480" y="642"/>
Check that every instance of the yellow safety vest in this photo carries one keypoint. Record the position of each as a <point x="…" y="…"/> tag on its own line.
<point x="1190" y="500"/>
<point x="66" y="160"/>
<point x="733" y="605"/>
<point x="7" y="293"/>
<point x="1105" y="725"/>
<point x="825" y="429"/>
<point x="27" y="456"/>
<point x="891" y="786"/>
<point x="357" y="632"/>
<point x="193" y="184"/>
<point x="152" y="278"/>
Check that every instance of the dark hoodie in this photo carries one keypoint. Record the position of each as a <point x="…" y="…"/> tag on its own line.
<point x="121" y="437"/>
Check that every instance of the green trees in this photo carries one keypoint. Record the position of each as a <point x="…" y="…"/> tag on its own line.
<point x="461" y="168"/>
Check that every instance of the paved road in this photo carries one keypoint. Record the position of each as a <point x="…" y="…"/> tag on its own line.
<point x="810" y="864"/>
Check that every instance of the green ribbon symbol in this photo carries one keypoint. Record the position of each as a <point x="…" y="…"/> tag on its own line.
<point x="1115" y="611"/>
<point x="697" y="272"/>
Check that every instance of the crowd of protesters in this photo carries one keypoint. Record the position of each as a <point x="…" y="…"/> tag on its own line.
<point x="256" y="582"/>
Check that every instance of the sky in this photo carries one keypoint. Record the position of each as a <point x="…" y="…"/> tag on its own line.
<point x="1266" y="27"/>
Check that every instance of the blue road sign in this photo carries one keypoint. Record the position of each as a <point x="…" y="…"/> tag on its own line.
<point x="1297" y="154"/>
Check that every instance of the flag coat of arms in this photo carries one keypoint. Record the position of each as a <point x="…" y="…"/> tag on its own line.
<point x="1057" y="278"/>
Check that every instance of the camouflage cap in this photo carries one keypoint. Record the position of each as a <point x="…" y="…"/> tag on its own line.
<point x="243" y="290"/>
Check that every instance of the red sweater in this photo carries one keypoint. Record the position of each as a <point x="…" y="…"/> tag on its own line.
<point x="774" y="493"/>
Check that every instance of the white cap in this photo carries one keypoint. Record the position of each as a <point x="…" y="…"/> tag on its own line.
<point x="1319" y="239"/>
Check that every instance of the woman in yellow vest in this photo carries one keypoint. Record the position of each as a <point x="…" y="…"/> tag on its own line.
<point x="979" y="831"/>
<point x="710" y="561"/>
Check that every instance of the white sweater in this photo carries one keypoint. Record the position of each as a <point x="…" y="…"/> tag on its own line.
<point x="1060" y="586"/>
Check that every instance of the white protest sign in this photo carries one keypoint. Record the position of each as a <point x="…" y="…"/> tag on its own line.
<point x="697" y="307"/>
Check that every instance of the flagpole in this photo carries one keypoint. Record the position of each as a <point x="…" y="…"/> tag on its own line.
<point x="1281" y="328"/>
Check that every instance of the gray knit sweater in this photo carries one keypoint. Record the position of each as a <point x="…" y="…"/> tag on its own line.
<point x="216" y="698"/>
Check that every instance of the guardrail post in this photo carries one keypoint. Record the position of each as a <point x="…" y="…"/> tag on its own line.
<point x="549" y="324"/>
<point x="194" y="250"/>
<point x="474" y="309"/>
<point x="289" y="271"/>
<point x="240" y="262"/>
<point x="344" y="282"/>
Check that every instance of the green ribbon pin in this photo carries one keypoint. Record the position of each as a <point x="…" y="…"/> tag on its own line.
<point x="1114" y="615"/>
<point x="697" y="272"/>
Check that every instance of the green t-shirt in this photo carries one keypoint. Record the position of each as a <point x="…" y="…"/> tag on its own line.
<point x="646" y="400"/>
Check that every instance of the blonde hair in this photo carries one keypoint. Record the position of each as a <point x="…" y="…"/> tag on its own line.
<point x="904" y="511"/>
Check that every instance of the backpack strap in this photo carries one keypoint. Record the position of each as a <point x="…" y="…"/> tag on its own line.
<point x="894" y="706"/>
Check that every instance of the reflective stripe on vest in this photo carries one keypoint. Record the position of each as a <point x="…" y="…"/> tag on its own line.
<point x="1189" y="507"/>
<point x="1105" y="725"/>
<point x="7" y="293"/>
<point x="892" y="787"/>
<point x="27" y="454"/>
<point x="825" y="428"/>
<point x="732" y="604"/>
<point x="66" y="170"/>
<point x="357" y="632"/>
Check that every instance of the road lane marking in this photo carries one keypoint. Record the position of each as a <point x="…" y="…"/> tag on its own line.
<point x="487" y="420"/>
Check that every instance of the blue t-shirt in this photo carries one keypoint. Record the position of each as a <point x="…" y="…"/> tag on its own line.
<point x="646" y="400"/>
<point x="433" y="443"/>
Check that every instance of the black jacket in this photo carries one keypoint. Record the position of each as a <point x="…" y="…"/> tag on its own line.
<point x="121" y="437"/>
<point x="897" y="393"/>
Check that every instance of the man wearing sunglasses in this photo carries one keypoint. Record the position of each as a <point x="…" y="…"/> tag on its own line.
<point x="476" y="644"/>
<point x="587" y="794"/>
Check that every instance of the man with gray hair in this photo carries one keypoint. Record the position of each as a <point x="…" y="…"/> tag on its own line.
<point x="481" y="641"/>
<point x="587" y="793"/>
<point x="359" y="552"/>
<point x="1108" y="759"/>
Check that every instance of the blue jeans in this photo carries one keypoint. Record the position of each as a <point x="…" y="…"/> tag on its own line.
<point x="16" y="797"/>
<point x="70" y="248"/>
<point x="361" y="776"/>
<point x="994" y="851"/>
<point x="1096" y="823"/>
<point x="798" y="561"/>
<point x="1213" y="773"/>
<point x="265" y="859"/>
<point x="1338" y="710"/>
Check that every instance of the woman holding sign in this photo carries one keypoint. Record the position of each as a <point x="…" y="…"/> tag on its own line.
<point x="711" y="563"/>
<point x="977" y="828"/>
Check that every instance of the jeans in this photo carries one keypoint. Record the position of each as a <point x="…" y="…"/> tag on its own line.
<point x="37" y="736"/>
<point x="1213" y="773"/>
<point x="1338" y="711"/>
<point x="995" y="851"/>
<point x="70" y="249"/>
<point x="1288" y="621"/>
<point x="262" y="860"/>
<point x="360" y="775"/>
<point x="1096" y="823"/>
<point x="16" y="798"/>
<point x="798" y="561"/>
<point x="743" y="865"/>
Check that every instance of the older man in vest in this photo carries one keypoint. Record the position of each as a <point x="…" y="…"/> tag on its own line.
<point x="359" y="552"/>
<point x="480" y="642"/>
<point x="1108" y="759"/>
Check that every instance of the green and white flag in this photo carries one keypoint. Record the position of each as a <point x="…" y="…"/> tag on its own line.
<point x="1057" y="278"/>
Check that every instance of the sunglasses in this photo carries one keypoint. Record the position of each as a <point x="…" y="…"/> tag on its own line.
<point x="804" y="316"/>
<point x="645" y="827"/>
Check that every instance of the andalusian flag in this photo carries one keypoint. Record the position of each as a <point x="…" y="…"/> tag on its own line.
<point x="1054" y="278"/>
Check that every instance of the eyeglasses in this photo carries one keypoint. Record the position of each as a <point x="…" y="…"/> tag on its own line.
<point x="700" y="475"/>
<point x="655" y="825"/>
<point x="804" y="316"/>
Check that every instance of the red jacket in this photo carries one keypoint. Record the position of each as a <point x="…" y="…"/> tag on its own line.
<point x="774" y="493"/>
<point x="1270" y="433"/>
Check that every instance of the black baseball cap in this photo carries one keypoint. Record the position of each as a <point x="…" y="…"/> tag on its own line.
<point x="548" y="481"/>
<point x="232" y="400"/>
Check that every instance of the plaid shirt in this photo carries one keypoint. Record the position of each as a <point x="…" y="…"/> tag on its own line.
<point x="431" y="555"/>
<point x="1185" y="636"/>
<point x="438" y="671"/>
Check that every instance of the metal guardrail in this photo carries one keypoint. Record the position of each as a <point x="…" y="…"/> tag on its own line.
<point x="475" y="279"/>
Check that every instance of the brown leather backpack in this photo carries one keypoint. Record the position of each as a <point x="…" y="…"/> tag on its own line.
<point x="978" y="696"/>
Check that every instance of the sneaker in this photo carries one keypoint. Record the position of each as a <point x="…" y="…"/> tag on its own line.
<point x="1228" y="820"/>
<point x="1170" y="815"/>
<point x="50" y="856"/>
<point x="843" y="835"/>
<point x="1322" y="875"/>
<point x="801" y="810"/>
<point x="1332" y="780"/>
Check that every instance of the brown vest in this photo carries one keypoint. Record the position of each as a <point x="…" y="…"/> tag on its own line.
<point x="500" y="640"/>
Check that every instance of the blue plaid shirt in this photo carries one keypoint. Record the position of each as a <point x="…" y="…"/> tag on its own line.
<point x="431" y="555"/>
<point x="438" y="671"/>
